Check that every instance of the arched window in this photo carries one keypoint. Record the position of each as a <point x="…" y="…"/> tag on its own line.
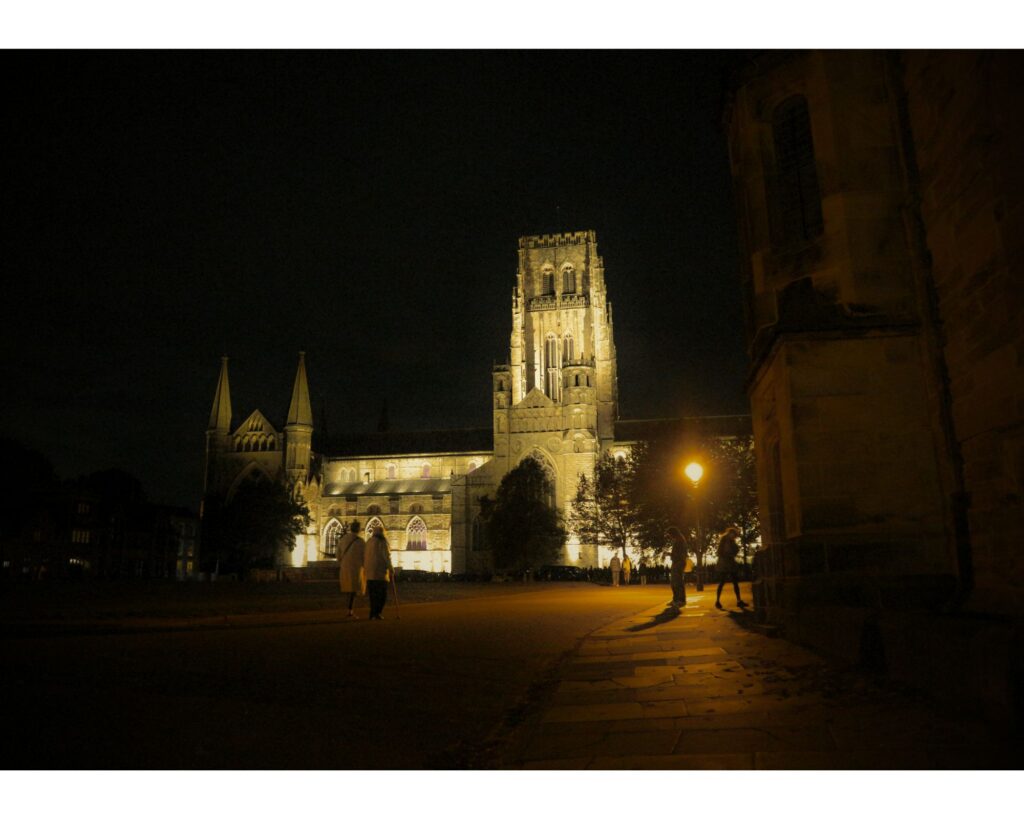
<point x="416" y="509"/>
<point x="568" y="279"/>
<point x="373" y="509"/>
<point x="416" y="535"/>
<point x="373" y="524"/>
<point x="547" y="282"/>
<point x="551" y="367"/>
<point x="329" y="542"/>
<point x="426" y="471"/>
<point x="479" y="542"/>
<point x="568" y="348"/>
<point x="796" y="200"/>
<point x="391" y="472"/>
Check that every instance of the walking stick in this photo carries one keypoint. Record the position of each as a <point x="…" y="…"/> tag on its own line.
<point x="397" y="605"/>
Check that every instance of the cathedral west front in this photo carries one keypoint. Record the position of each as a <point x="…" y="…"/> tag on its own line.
<point x="556" y="400"/>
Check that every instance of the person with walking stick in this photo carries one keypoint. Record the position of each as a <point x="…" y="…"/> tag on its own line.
<point x="378" y="568"/>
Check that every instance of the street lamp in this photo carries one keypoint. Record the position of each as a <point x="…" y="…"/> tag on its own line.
<point x="694" y="471"/>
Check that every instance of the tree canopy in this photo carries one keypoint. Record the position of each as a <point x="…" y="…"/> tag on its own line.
<point x="523" y="530"/>
<point x="255" y="529"/>
<point x="618" y="507"/>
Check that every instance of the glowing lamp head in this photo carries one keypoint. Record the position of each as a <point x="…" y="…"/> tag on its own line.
<point x="694" y="471"/>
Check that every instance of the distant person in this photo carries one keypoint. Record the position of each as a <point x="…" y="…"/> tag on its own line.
<point x="615" y="566"/>
<point x="627" y="570"/>
<point x="677" y="576"/>
<point x="728" y="549"/>
<point x="641" y="571"/>
<point x="377" y="564"/>
<point x="351" y="575"/>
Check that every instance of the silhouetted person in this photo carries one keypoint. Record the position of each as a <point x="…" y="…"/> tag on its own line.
<point x="627" y="569"/>
<point x="677" y="576"/>
<point x="615" y="566"/>
<point x="377" y="564"/>
<point x="728" y="548"/>
<point x="351" y="575"/>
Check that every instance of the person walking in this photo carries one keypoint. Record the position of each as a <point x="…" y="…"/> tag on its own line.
<point x="728" y="548"/>
<point x="627" y="569"/>
<point x="351" y="575"/>
<point x="377" y="564"/>
<point x="677" y="576"/>
<point x="615" y="566"/>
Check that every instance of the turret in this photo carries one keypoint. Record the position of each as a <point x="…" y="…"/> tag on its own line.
<point x="218" y="431"/>
<point x="298" y="430"/>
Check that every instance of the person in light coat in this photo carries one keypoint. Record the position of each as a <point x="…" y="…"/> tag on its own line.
<point x="377" y="564"/>
<point x="615" y="565"/>
<point x="627" y="570"/>
<point x="351" y="575"/>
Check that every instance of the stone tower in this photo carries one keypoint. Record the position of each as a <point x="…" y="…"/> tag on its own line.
<point x="562" y="325"/>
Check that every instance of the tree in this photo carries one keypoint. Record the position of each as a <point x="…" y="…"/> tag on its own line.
<point x="726" y="496"/>
<point x="255" y="529"/>
<point x="618" y="507"/>
<point x="523" y="529"/>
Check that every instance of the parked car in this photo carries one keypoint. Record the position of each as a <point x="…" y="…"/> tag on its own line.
<point x="561" y="573"/>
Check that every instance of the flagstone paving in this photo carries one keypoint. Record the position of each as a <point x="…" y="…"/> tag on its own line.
<point x="704" y="690"/>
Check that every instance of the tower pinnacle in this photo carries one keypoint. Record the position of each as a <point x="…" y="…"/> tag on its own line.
<point x="300" y="412"/>
<point x="220" y="414"/>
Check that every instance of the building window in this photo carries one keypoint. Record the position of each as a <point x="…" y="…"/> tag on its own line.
<point x="547" y="282"/>
<point x="568" y="279"/>
<point x="437" y="503"/>
<point x="83" y="509"/>
<point x="568" y="348"/>
<point x="416" y="536"/>
<point x="426" y="470"/>
<point x="416" y="509"/>
<point x="551" y="367"/>
<point x="80" y="536"/>
<point x="373" y="509"/>
<point x="391" y="472"/>
<point x="797" y="200"/>
<point x="479" y="534"/>
<point x="393" y="504"/>
<point x="374" y="525"/>
<point x="329" y="543"/>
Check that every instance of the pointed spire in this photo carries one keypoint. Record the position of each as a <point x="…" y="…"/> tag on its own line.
<point x="300" y="412"/>
<point x="220" y="415"/>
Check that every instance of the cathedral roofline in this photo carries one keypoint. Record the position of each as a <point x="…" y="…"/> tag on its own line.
<point x="410" y="444"/>
<point x="430" y="486"/>
<point x="578" y="237"/>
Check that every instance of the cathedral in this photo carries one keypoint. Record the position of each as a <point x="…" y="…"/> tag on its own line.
<point x="556" y="400"/>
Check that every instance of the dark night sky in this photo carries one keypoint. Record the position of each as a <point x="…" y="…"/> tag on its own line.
<point x="163" y="209"/>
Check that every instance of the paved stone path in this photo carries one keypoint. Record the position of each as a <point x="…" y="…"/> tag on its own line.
<point x="705" y="690"/>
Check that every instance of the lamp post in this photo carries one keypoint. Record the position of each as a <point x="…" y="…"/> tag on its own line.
<point x="694" y="471"/>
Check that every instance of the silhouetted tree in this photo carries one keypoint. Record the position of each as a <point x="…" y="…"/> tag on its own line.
<point x="619" y="506"/>
<point x="24" y="474"/>
<point x="256" y="529"/>
<point x="523" y="530"/>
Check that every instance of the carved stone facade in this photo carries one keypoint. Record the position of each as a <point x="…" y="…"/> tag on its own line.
<point x="556" y="401"/>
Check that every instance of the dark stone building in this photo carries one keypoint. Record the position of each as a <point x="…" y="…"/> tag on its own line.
<point x="880" y="210"/>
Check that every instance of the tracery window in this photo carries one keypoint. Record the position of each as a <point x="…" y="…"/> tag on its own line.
<point x="568" y="348"/>
<point x="329" y="542"/>
<point x="373" y="525"/>
<point x="416" y="535"/>
<point x="551" y="367"/>
<point x="547" y="282"/>
<point x="568" y="279"/>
